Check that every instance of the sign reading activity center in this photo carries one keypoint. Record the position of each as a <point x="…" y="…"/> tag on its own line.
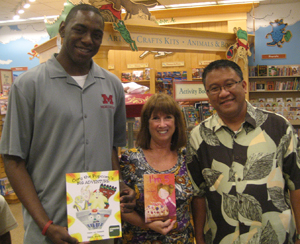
<point x="93" y="205"/>
<point x="189" y="91"/>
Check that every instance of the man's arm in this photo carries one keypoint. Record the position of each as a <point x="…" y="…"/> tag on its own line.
<point x="199" y="216"/>
<point x="127" y="195"/>
<point x="23" y="186"/>
<point x="295" y="199"/>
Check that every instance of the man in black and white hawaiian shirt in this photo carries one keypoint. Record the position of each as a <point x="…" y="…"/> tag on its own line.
<point x="244" y="163"/>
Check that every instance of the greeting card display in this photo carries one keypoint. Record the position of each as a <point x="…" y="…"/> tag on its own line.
<point x="93" y="205"/>
<point x="159" y="195"/>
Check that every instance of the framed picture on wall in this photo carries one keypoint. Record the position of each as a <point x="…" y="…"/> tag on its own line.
<point x="6" y="78"/>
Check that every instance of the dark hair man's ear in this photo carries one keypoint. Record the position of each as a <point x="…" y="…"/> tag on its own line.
<point x="62" y="29"/>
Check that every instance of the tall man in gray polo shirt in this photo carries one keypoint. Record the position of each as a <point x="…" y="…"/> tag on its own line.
<point x="66" y="115"/>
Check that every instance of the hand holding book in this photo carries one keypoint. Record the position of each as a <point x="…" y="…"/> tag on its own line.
<point x="127" y="198"/>
<point x="162" y="227"/>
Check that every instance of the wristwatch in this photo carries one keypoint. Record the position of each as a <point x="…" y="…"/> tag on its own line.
<point x="297" y="236"/>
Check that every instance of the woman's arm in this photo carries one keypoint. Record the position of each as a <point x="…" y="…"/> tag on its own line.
<point x="127" y="195"/>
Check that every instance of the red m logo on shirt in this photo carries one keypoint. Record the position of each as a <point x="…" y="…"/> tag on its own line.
<point x="107" y="100"/>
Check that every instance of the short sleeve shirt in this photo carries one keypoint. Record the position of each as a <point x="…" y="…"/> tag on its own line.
<point x="59" y="127"/>
<point x="245" y="177"/>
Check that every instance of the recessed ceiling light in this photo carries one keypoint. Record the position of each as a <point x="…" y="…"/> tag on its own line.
<point x="21" y="11"/>
<point x="26" y="5"/>
<point x="16" y="17"/>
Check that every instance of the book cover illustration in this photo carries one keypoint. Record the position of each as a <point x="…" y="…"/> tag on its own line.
<point x="125" y="76"/>
<point x="93" y="205"/>
<point x="137" y="75"/>
<point x="195" y="73"/>
<point x="159" y="195"/>
<point x="147" y="74"/>
<point x="262" y="70"/>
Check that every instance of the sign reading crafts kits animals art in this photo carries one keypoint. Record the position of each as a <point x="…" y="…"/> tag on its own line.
<point x="93" y="205"/>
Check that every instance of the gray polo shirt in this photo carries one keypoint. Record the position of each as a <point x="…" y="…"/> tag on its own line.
<point x="59" y="127"/>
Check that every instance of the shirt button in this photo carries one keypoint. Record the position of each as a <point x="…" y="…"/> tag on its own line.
<point x="237" y="157"/>
<point x="87" y="141"/>
<point x="239" y="179"/>
<point x="85" y="116"/>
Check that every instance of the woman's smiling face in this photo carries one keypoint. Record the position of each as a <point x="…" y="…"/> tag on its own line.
<point x="161" y="127"/>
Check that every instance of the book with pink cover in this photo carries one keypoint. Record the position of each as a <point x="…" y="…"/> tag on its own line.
<point x="159" y="196"/>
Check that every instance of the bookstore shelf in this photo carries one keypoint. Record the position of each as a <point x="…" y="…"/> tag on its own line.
<point x="280" y="94"/>
<point x="272" y="77"/>
<point x="274" y="91"/>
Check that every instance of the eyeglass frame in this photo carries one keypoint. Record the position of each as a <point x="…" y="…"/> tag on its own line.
<point x="225" y="87"/>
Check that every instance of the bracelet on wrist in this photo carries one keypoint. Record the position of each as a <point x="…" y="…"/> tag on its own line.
<point x="50" y="222"/>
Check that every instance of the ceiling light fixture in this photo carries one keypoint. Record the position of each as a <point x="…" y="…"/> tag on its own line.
<point x="26" y="5"/>
<point x="16" y="17"/>
<point x="21" y="11"/>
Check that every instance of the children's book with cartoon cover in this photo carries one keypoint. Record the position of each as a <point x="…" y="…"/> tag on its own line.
<point x="159" y="196"/>
<point x="93" y="205"/>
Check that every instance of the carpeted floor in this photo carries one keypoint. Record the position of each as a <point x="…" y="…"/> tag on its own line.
<point x="17" y="233"/>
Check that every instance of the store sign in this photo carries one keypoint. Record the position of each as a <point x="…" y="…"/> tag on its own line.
<point x="136" y="66"/>
<point x="273" y="56"/>
<point x="189" y="91"/>
<point x="19" y="68"/>
<point x="165" y="41"/>
<point x="172" y="64"/>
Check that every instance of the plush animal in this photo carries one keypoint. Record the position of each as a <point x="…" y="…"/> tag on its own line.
<point x="98" y="200"/>
<point x="239" y="50"/>
<point x="277" y="34"/>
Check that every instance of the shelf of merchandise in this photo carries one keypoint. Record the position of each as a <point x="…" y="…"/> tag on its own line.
<point x="275" y="93"/>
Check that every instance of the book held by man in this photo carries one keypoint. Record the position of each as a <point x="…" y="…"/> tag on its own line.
<point x="93" y="205"/>
<point x="159" y="195"/>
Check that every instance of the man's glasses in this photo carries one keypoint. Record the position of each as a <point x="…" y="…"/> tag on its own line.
<point x="214" y="90"/>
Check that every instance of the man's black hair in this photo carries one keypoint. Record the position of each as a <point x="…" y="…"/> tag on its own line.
<point x="83" y="7"/>
<point x="221" y="63"/>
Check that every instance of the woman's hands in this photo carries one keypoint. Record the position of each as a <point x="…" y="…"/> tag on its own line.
<point x="162" y="227"/>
